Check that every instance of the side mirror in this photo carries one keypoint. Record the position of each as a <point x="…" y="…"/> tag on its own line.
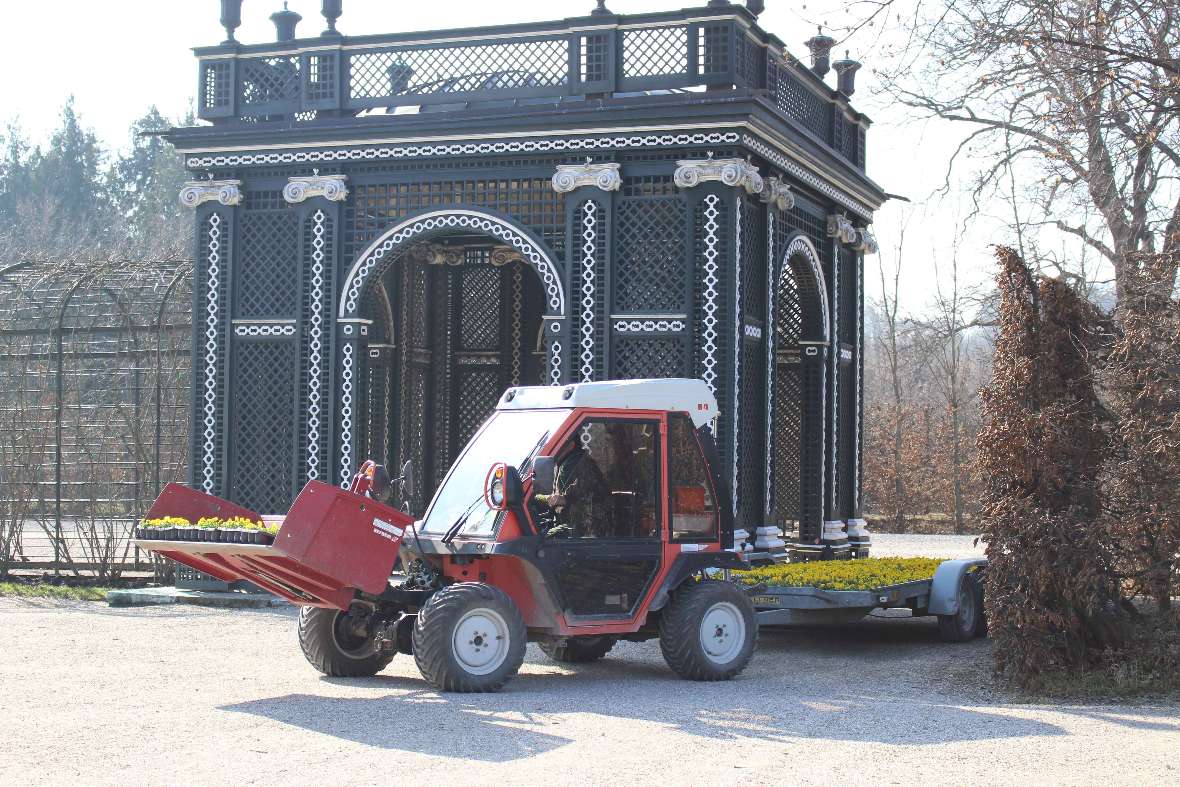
<point x="502" y="488"/>
<point x="407" y="480"/>
<point x="381" y="483"/>
<point x="544" y="475"/>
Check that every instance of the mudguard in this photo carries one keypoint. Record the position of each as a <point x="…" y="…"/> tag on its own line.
<point x="944" y="590"/>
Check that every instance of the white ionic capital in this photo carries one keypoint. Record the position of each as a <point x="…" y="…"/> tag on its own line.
<point x="776" y="192"/>
<point x="734" y="172"/>
<point x="572" y="176"/>
<point x="198" y="192"/>
<point x="842" y="229"/>
<point x="330" y="187"/>
<point x="865" y="242"/>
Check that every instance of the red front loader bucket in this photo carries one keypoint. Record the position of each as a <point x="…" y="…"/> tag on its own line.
<point x="331" y="544"/>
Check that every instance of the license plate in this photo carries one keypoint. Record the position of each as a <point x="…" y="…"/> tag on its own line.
<point x="765" y="601"/>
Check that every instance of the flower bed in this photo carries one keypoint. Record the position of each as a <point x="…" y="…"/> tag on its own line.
<point x="866" y="574"/>
<point x="237" y="530"/>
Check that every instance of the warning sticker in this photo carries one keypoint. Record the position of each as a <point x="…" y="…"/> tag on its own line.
<point x="387" y="530"/>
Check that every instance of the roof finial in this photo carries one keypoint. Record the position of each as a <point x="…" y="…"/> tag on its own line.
<point x="601" y="10"/>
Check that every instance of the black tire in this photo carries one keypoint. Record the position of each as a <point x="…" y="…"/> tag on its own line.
<point x="688" y="650"/>
<point x="331" y="649"/>
<point x="486" y="661"/>
<point x="980" y="611"/>
<point x="578" y="650"/>
<point x="960" y="627"/>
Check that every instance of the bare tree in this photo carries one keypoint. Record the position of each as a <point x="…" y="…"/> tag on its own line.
<point x="1077" y="101"/>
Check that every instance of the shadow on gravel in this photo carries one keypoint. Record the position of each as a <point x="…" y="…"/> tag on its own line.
<point x="419" y="721"/>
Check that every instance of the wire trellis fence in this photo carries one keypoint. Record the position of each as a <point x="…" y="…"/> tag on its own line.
<point x="95" y="359"/>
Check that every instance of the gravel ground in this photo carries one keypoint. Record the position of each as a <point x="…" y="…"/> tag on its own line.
<point x="94" y="695"/>
<point x="898" y="545"/>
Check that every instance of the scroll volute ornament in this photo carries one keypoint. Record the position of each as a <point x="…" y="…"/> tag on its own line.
<point x="778" y="193"/>
<point x="197" y="192"/>
<point x="843" y="230"/>
<point x="331" y="187"/>
<point x="573" y="176"/>
<point x="734" y="172"/>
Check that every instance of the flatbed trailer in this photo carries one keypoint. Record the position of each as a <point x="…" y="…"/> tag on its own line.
<point x="954" y="595"/>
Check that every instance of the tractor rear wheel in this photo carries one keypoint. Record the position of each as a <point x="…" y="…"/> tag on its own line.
<point x="708" y="630"/>
<point x="578" y="650"/>
<point x="334" y="648"/>
<point x="469" y="637"/>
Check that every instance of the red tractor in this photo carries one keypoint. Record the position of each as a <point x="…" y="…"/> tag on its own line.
<point x="576" y="517"/>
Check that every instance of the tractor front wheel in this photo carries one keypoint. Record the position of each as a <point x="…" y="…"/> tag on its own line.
<point x="578" y="650"/>
<point x="708" y="630"/>
<point x="333" y="647"/>
<point x="469" y="637"/>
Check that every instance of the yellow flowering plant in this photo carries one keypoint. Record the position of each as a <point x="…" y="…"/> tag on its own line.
<point x="866" y="574"/>
<point x="167" y="521"/>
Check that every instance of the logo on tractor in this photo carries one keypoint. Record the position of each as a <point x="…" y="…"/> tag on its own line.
<point x="387" y="530"/>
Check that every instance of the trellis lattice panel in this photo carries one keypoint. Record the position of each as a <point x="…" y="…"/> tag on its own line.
<point x="408" y="75"/>
<point x="785" y="444"/>
<point x="638" y="357"/>
<point x="263" y="405"/>
<point x="846" y="429"/>
<point x="752" y="416"/>
<point x="531" y="201"/>
<point x="650" y="275"/>
<point x="658" y="51"/>
<point x="267" y="280"/>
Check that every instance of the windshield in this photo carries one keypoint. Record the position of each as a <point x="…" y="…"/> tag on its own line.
<point x="511" y="436"/>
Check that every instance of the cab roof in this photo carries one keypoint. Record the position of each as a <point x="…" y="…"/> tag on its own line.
<point x="674" y="395"/>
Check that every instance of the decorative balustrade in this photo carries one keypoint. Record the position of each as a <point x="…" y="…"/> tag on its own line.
<point x="701" y="49"/>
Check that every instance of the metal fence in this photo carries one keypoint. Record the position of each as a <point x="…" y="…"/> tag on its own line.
<point x="95" y="358"/>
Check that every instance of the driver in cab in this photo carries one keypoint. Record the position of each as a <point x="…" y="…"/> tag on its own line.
<point x="581" y="503"/>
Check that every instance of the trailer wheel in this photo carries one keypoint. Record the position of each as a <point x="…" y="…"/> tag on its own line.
<point x="333" y="649"/>
<point x="578" y="650"/>
<point x="980" y="612"/>
<point x="469" y="637"/>
<point x="708" y="630"/>
<point x="961" y="626"/>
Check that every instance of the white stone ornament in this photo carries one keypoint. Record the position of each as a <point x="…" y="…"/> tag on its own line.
<point x="865" y="242"/>
<point x="734" y="172"/>
<point x="331" y="187"/>
<point x="842" y="229"/>
<point x="198" y="192"/>
<point x="573" y="176"/>
<point x="778" y="193"/>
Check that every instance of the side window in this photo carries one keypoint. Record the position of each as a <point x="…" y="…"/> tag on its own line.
<point x="607" y="482"/>
<point x="694" y="505"/>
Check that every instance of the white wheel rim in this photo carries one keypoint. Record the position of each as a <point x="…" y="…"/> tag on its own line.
<point x="480" y="642"/>
<point x="966" y="607"/>
<point x="723" y="632"/>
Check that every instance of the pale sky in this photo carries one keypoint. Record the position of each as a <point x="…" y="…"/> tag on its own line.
<point x="119" y="57"/>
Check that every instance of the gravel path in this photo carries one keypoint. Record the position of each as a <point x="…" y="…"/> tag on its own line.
<point x="900" y="545"/>
<point x="95" y="695"/>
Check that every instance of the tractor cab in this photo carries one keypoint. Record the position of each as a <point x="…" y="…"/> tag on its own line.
<point x="575" y="517"/>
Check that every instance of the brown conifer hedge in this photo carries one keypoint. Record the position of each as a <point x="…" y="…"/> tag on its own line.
<point x="1052" y="595"/>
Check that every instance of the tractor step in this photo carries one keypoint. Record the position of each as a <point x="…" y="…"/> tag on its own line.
<point x="331" y="544"/>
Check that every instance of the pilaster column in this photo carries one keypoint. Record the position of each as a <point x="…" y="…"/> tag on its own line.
<point x="215" y="203"/>
<point x="589" y="211"/>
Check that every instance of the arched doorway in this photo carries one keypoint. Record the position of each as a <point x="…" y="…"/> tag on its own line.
<point x="448" y="309"/>
<point x="798" y="354"/>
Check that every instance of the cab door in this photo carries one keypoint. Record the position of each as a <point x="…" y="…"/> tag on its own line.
<point x="605" y="537"/>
